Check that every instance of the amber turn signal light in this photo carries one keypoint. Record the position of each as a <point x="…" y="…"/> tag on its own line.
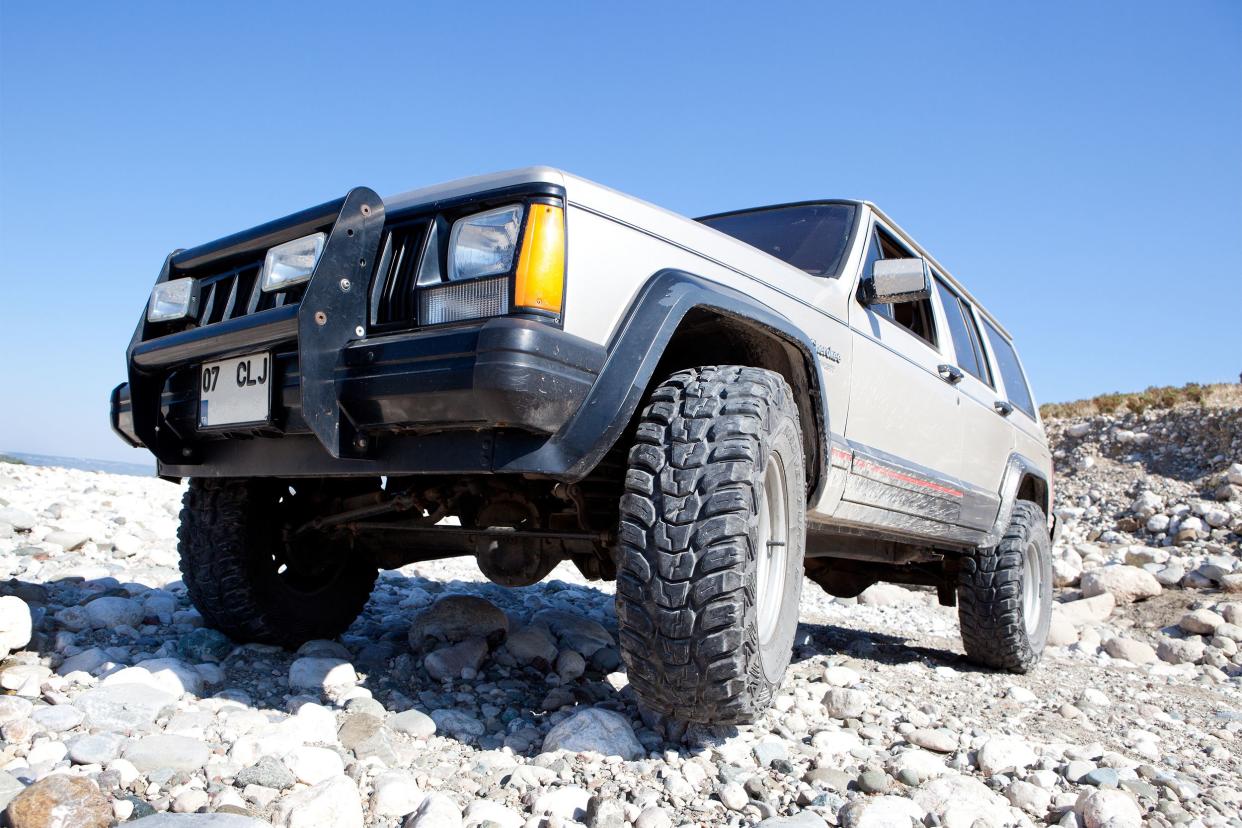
<point x="540" y="282"/>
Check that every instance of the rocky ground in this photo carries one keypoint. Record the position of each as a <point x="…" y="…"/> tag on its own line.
<point x="452" y="702"/>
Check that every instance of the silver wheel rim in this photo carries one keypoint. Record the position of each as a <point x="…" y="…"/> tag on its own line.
<point x="773" y="549"/>
<point x="1032" y="586"/>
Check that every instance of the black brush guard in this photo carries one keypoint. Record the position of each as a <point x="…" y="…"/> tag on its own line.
<point x="331" y="314"/>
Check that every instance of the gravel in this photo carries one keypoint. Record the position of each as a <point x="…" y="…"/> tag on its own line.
<point x="452" y="702"/>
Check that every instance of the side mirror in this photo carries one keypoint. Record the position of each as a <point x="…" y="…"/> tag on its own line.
<point x="897" y="280"/>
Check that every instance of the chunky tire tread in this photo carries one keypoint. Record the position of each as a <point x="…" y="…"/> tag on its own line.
<point x="685" y="585"/>
<point x="226" y="540"/>
<point x="989" y="596"/>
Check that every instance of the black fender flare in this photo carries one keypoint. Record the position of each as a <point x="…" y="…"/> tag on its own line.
<point x="634" y="351"/>
<point x="1017" y="468"/>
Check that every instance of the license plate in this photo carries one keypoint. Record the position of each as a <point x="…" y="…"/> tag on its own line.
<point x="235" y="391"/>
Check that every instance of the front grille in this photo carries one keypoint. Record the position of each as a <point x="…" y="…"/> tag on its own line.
<point x="398" y="273"/>
<point x="236" y="292"/>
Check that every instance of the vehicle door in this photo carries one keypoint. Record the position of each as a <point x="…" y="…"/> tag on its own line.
<point x="904" y="432"/>
<point x="987" y="436"/>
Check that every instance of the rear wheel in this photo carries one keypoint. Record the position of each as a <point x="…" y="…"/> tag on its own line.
<point x="253" y="577"/>
<point x="711" y="537"/>
<point x="1005" y="595"/>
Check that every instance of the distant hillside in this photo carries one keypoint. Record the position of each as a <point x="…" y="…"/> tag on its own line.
<point x="1208" y="396"/>
<point x="82" y="463"/>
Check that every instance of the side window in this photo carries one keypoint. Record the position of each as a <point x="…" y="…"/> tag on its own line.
<point x="964" y="334"/>
<point x="915" y="316"/>
<point x="1016" y="389"/>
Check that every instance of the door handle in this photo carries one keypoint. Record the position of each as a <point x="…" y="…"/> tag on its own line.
<point x="1003" y="408"/>
<point x="950" y="373"/>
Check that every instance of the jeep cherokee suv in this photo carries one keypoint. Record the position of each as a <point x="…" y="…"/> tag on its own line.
<point x="531" y="368"/>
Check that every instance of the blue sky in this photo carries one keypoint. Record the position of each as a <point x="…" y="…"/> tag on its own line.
<point x="1078" y="165"/>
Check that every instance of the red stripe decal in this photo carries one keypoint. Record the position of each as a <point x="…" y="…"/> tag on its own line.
<point x="906" y="478"/>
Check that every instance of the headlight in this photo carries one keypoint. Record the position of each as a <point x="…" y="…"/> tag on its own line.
<point x="171" y="300"/>
<point x="291" y="263"/>
<point x="484" y="244"/>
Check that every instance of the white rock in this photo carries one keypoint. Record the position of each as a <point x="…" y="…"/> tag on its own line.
<point x="845" y="704"/>
<point x="887" y="595"/>
<point x="167" y="674"/>
<point x="1201" y="621"/>
<point x="1126" y="584"/>
<point x="1094" y="698"/>
<point x="13" y="708"/>
<point x="333" y="802"/>
<point x="1005" y="753"/>
<point x="112" y="611"/>
<point x="455" y="618"/>
<point x="733" y="796"/>
<point x="395" y="793"/>
<point x="87" y="661"/>
<point x="161" y="750"/>
<point x="1086" y="610"/>
<point x="963" y="801"/>
<point x="881" y="812"/>
<point x="190" y="801"/>
<point x="483" y="810"/>
<point x="437" y="811"/>
<point x="839" y="676"/>
<point x="924" y="764"/>
<point x="1147" y="504"/>
<point x="1157" y="524"/>
<point x="568" y="802"/>
<point x="15" y="624"/>
<point x="1108" y="808"/>
<point x="315" y="723"/>
<point x="1128" y="649"/>
<point x="834" y="743"/>
<point x="1030" y="798"/>
<point x="57" y="718"/>
<point x="414" y="723"/>
<point x="595" y="730"/>
<point x="316" y="673"/>
<point x="313" y="765"/>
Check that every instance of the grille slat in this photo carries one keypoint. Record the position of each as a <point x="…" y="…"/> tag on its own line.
<point x="403" y="247"/>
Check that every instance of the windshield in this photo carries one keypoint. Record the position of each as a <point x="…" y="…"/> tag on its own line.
<point x="811" y="237"/>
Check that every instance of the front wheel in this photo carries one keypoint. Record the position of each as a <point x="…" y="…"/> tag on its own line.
<point x="1005" y="595"/>
<point x="711" y="542"/>
<point x="253" y="576"/>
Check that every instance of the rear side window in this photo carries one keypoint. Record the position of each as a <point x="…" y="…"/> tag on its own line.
<point x="964" y="334"/>
<point x="1016" y="389"/>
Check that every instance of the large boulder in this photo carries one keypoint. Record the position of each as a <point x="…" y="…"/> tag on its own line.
<point x="456" y="618"/>
<point x="333" y="802"/>
<point x="15" y="624"/>
<point x="595" y="730"/>
<point x="1126" y="584"/>
<point x="963" y="800"/>
<point x="1109" y="808"/>
<point x="60" y="800"/>
<point x="1085" y="611"/>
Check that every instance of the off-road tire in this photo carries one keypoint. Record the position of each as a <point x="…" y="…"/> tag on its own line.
<point x="990" y="595"/>
<point x="230" y="532"/>
<point x="687" y="567"/>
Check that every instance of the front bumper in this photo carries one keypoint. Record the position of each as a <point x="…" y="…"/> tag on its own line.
<point x="431" y="400"/>
<point x="464" y="398"/>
